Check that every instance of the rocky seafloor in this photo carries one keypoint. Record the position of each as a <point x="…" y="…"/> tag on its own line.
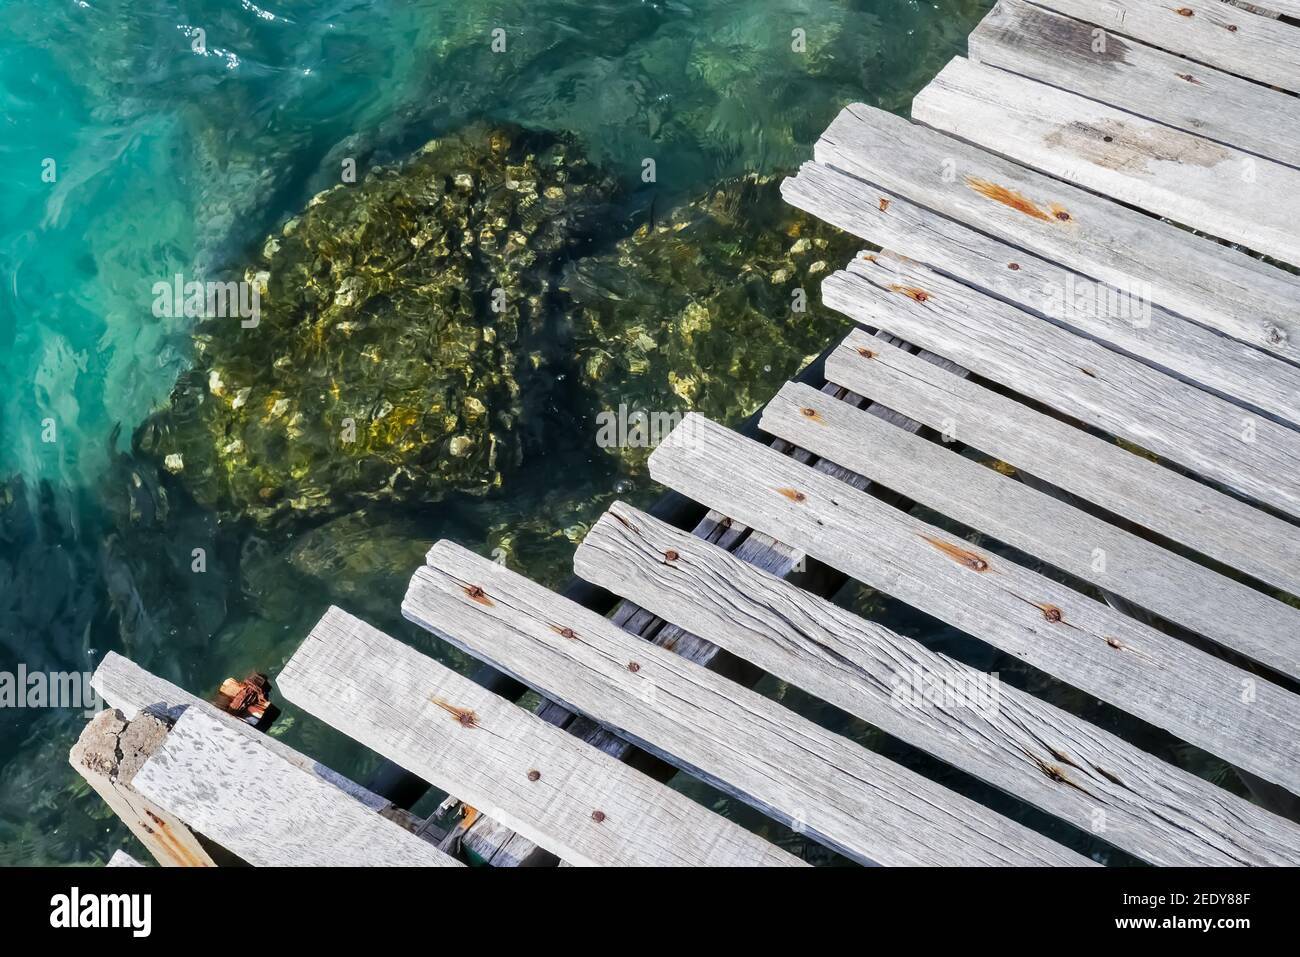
<point x="409" y="320"/>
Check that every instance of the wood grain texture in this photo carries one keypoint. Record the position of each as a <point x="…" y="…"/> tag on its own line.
<point x="838" y="793"/>
<point x="267" y="811"/>
<point x="503" y="760"/>
<point x="121" y="858"/>
<point x="1207" y="31"/>
<point x="1155" y="579"/>
<point x="1046" y="46"/>
<point x="1193" y="276"/>
<point x="1030" y="749"/>
<point x="132" y="690"/>
<point x="1245" y="720"/>
<point x="1078" y="377"/>
<point x="1160" y="338"/>
<point x="1098" y="471"/>
<point x="1184" y="177"/>
<point x="499" y="845"/>
<point x="108" y="755"/>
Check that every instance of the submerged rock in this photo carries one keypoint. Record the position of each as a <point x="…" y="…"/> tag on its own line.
<point x="709" y="311"/>
<point x="383" y="365"/>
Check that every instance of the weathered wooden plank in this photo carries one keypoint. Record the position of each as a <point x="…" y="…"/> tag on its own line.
<point x="1188" y="274"/>
<point x="1208" y="435"/>
<point x="1247" y="721"/>
<point x="1098" y="471"/>
<point x="269" y="812"/>
<point x="109" y="754"/>
<point x="1194" y="181"/>
<point x="498" y="844"/>
<point x="1203" y="30"/>
<point x="1138" y="327"/>
<point x="1070" y="54"/>
<point x="121" y="858"/>
<point x="840" y="794"/>
<point x="1180" y="591"/>
<point x="132" y="690"/>
<point x="503" y="760"/>
<point x="1008" y="738"/>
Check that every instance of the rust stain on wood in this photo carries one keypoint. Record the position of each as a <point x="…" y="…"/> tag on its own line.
<point x="479" y="595"/>
<point x="810" y="413"/>
<point x="1007" y="197"/>
<point x="462" y="716"/>
<point x="866" y="353"/>
<point x="884" y="205"/>
<point x="564" y="631"/>
<point x="912" y="292"/>
<point x="1189" y="78"/>
<point x="961" y="556"/>
<point x="1051" y="613"/>
<point x="793" y="495"/>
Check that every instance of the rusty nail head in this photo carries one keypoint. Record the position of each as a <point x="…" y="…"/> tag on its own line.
<point x="633" y="667"/>
<point x="474" y="591"/>
<point x="1063" y="216"/>
<point x="534" y="775"/>
<point x="1014" y="267"/>
<point x="671" y="555"/>
<point x="598" y="816"/>
<point x="809" y="412"/>
<point x="866" y="353"/>
<point x="567" y="632"/>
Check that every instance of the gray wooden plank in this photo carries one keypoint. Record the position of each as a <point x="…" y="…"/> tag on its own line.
<point x="121" y="858"/>
<point x="131" y="689"/>
<point x="1245" y="720"/>
<point x="1206" y="434"/>
<point x="838" y="793"/>
<point x="269" y="812"/>
<point x="1193" y="276"/>
<point x="1030" y="749"/>
<point x="502" y="760"/>
<point x="1155" y="579"/>
<point x="1207" y="31"/>
<point x="498" y="844"/>
<point x="1068" y="53"/>
<point x="1184" y="177"/>
<point x="1097" y="471"/>
<point x="1139" y="328"/>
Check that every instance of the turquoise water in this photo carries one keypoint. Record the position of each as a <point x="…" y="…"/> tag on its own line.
<point x="168" y="160"/>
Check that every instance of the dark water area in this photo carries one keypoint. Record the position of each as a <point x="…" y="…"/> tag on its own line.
<point x="665" y="296"/>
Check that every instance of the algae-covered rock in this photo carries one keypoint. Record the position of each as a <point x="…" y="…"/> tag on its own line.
<point x="382" y="366"/>
<point x="709" y="310"/>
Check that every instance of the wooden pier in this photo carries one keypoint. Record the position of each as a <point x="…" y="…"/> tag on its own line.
<point x="1079" y="338"/>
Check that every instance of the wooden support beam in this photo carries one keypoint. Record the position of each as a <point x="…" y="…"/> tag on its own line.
<point x="109" y="755"/>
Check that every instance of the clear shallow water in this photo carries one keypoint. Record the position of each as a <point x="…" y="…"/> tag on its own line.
<point x="168" y="161"/>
